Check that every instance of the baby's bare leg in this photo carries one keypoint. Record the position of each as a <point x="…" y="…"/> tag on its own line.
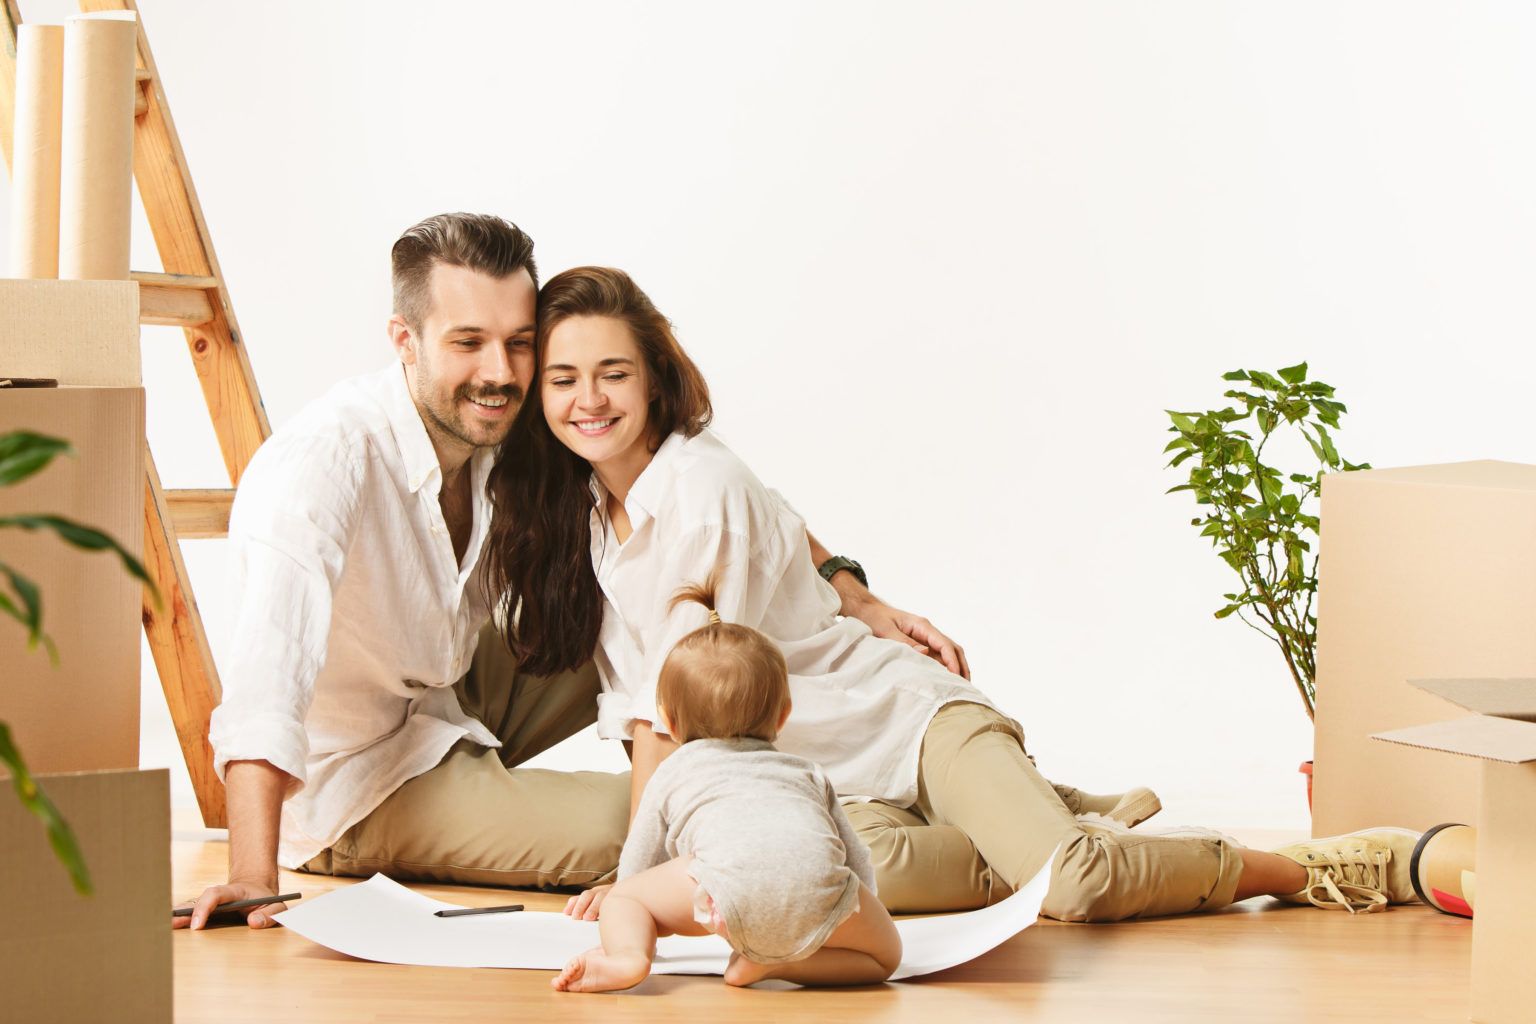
<point x="652" y="903"/>
<point x="863" y="950"/>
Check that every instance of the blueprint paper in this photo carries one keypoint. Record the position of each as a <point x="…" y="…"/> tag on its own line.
<point x="382" y="920"/>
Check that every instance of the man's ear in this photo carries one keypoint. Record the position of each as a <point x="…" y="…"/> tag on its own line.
<point x="404" y="339"/>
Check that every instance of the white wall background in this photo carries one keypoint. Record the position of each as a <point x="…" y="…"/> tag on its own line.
<point x="944" y="266"/>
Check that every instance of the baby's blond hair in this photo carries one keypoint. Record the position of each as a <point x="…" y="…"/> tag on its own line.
<point x="722" y="680"/>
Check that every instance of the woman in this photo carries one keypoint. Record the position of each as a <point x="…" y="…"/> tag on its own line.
<point x="622" y="497"/>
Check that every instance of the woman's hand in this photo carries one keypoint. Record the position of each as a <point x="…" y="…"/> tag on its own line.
<point x="585" y="905"/>
<point x="894" y="624"/>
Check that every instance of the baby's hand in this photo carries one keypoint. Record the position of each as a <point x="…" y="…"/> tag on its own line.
<point x="584" y="906"/>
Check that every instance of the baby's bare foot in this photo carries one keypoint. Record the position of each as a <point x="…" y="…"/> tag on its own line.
<point x="596" y="971"/>
<point x="742" y="972"/>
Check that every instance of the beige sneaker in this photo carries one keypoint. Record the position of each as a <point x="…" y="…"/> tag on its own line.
<point x="1130" y="808"/>
<point x="1360" y="872"/>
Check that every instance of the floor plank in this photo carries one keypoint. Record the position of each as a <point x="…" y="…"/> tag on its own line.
<point x="1254" y="962"/>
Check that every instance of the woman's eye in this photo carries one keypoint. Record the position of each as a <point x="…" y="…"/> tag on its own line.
<point x="616" y="378"/>
<point x="561" y="382"/>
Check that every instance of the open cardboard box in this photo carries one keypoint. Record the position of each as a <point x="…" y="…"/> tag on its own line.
<point x="1501" y="734"/>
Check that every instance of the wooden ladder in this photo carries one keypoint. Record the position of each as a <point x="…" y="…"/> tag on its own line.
<point x="190" y="294"/>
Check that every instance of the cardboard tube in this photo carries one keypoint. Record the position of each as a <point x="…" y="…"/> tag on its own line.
<point x="1443" y="869"/>
<point x="96" y="168"/>
<point x="35" y="169"/>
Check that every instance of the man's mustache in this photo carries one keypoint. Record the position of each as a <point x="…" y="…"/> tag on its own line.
<point x="511" y="392"/>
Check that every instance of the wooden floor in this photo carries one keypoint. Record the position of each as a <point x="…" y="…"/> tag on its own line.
<point x="1256" y="962"/>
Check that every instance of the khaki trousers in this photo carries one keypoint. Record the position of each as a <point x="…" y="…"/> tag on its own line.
<point x="479" y="819"/>
<point x="986" y="821"/>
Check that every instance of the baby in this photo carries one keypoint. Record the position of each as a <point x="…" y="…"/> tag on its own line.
<point x="735" y="838"/>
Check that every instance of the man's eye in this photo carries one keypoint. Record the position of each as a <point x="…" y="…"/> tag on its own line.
<point x="521" y="343"/>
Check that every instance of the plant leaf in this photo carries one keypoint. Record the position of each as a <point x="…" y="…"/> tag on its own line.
<point x="30" y="611"/>
<point x="23" y="453"/>
<point x="60" y="836"/>
<point x="86" y="538"/>
<point x="1294" y="374"/>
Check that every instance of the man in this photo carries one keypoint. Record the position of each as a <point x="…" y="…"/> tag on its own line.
<point x="371" y="720"/>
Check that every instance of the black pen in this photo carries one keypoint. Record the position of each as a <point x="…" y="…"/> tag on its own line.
<point x="240" y="904"/>
<point x="470" y="911"/>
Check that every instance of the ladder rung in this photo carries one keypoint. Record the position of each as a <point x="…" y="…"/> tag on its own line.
<point x="175" y="300"/>
<point x="174" y="280"/>
<point x="200" y="513"/>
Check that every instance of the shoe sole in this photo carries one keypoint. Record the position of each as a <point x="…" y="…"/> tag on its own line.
<point x="1133" y="810"/>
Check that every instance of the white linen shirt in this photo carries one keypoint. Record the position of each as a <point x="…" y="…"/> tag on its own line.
<point x="353" y="617"/>
<point x="861" y="703"/>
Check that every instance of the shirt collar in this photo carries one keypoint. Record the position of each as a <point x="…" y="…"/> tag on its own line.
<point x="655" y="480"/>
<point x="410" y="432"/>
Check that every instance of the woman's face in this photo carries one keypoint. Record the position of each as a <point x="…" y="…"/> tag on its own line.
<point x="596" y="390"/>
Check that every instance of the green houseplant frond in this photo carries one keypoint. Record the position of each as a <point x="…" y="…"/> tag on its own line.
<point x="1262" y="521"/>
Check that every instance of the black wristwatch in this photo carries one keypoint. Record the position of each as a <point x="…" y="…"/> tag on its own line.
<point x="837" y="563"/>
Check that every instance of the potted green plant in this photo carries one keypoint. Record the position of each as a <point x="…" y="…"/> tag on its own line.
<point x="23" y="454"/>
<point x="1262" y="521"/>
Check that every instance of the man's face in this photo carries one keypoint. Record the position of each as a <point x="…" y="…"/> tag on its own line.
<point x="470" y="362"/>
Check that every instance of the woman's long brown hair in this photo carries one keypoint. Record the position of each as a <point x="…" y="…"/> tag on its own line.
<point x="539" y="557"/>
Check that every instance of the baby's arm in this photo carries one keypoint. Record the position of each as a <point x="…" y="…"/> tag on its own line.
<point x="646" y="844"/>
<point x="857" y="853"/>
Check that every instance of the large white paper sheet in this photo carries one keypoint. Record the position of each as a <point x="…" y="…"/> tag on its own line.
<point x="384" y="921"/>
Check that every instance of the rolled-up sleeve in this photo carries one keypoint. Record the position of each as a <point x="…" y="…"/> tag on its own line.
<point x="289" y="532"/>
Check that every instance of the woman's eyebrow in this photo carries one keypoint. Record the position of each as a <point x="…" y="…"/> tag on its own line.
<point x="568" y="368"/>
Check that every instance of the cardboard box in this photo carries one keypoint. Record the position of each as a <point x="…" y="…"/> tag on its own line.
<point x="106" y="956"/>
<point x="1499" y="737"/>
<point x="1426" y="572"/>
<point x="84" y="712"/>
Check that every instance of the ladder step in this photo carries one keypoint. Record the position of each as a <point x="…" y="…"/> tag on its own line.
<point x="200" y="513"/>
<point x="175" y="300"/>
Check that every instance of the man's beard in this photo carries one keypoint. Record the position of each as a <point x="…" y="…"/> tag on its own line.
<point x="451" y="420"/>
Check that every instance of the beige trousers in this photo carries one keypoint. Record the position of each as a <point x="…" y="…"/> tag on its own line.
<point x="986" y="821"/>
<point x="479" y="819"/>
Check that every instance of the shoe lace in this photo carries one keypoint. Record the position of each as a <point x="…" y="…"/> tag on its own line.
<point x="1354" y="881"/>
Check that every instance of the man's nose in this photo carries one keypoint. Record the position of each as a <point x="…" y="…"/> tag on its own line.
<point x="496" y="365"/>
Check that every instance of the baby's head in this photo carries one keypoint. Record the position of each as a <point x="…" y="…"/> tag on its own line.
<point x="723" y="680"/>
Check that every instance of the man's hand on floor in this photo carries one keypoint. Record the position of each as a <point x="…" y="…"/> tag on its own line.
<point x="216" y="895"/>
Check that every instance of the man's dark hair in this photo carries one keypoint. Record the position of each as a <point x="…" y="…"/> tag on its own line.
<point x="481" y="242"/>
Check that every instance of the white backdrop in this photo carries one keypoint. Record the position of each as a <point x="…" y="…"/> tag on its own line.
<point x="944" y="266"/>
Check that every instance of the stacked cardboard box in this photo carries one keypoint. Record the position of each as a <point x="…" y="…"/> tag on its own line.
<point x="83" y="713"/>
<point x="107" y="956"/>
<point x="1427" y="572"/>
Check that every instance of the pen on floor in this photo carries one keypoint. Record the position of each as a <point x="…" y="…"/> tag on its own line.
<point x="471" y="911"/>
<point x="240" y="904"/>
